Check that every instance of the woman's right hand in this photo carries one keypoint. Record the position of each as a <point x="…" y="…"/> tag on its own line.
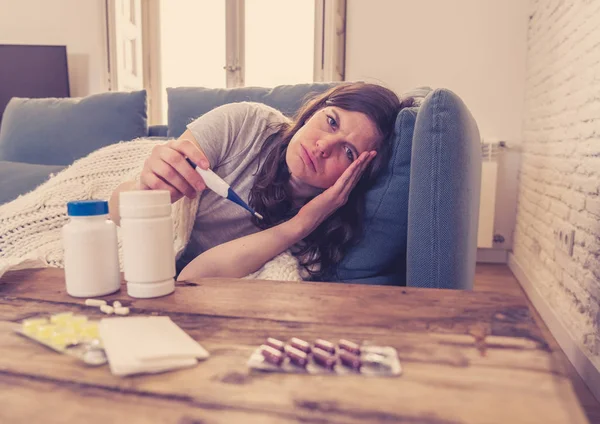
<point x="312" y="214"/>
<point x="167" y="168"/>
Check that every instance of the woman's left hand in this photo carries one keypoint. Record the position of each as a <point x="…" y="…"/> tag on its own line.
<point x="311" y="215"/>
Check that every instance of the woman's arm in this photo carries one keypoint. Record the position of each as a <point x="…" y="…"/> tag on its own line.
<point x="240" y="257"/>
<point x="243" y="256"/>
<point x="167" y="169"/>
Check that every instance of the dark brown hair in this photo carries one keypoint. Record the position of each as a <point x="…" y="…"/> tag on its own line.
<point x="271" y="196"/>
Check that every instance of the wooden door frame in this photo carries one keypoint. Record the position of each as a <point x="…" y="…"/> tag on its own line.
<point x="151" y="59"/>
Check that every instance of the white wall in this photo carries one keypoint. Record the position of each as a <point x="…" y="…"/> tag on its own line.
<point x="560" y="173"/>
<point x="78" y="24"/>
<point x="476" y="48"/>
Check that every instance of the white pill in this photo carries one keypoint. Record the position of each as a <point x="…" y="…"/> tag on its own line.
<point x="122" y="311"/>
<point x="107" y="309"/>
<point x="95" y="302"/>
<point x="117" y="304"/>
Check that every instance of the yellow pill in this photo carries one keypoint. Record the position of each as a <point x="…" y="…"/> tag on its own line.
<point x="67" y="331"/>
<point x="90" y="330"/>
<point x="45" y="331"/>
<point x="29" y="326"/>
<point x="34" y="321"/>
<point x="77" y="321"/>
<point x="57" y="346"/>
<point x="61" y="339"/>
<point x="61" y="318"/>
<point x="30" y="331"/>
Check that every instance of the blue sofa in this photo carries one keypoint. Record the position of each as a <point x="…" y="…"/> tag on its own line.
<point x="421" y="215"/>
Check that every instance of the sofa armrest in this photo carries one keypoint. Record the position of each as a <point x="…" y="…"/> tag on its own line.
<point x="445" y="181"/>
<point x="17" y="178"/>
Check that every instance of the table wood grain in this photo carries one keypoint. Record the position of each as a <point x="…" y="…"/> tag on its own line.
<point x="467" y="357"/>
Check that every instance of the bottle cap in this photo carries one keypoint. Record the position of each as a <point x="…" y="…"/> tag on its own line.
<point x="87" y="208"/>
<point x="144" y="203"/>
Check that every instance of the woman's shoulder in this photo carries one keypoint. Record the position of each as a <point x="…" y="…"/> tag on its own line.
<point x="254" y="110"/>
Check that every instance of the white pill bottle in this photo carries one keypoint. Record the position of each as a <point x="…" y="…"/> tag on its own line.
<point x="91" y="257"/>
<point x="147" y="240"/>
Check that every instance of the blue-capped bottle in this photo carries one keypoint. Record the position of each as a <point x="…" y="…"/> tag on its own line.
<point x="91" y="255"/>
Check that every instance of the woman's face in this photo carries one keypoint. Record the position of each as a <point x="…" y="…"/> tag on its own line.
<point x="326" y="145"/>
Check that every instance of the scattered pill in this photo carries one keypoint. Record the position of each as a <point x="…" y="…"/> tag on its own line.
<point x="297" y="357"/>
<point x="275" y="344"/>
<point x="117" y="304"/>
<point x="107" y="309"/>
<point x="325" y="345"/>
<point x="323" y="358"/>
<point x="95" y="302"/>
<point x="349" y="346"/>
<point x="121" y="310"/>
<point x="272" y="355"/>
<point x="300" y="344"/>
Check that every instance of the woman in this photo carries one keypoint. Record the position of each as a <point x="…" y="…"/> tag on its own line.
<point x="300" y="175"/>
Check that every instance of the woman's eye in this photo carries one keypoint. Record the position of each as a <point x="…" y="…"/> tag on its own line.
<point x="331" y="121"/>
<point x="349" y="154"/>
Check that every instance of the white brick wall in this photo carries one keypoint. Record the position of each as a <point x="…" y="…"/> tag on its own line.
<point x="560" y="175"/>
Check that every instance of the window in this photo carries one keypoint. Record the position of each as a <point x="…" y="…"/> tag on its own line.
<point x="279" y="42"/>
<point x="233" y="43"/>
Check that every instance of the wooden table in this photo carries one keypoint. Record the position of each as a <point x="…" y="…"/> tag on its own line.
<point x="468" y="357"/>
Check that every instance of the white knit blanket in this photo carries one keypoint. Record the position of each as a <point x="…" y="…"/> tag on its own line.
<point x="30" y="226"/>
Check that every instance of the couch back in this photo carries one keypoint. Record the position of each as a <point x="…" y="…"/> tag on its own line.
<point x="380" y="256"/>
<point x="421" y="215"/>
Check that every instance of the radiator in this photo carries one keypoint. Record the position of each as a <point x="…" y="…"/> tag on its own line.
<point x="487" y="205"/>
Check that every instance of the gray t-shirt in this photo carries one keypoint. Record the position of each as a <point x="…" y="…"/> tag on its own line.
<point x="231" y="136"/>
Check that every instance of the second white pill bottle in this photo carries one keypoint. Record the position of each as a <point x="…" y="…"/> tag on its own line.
<point x="147" y="240"/>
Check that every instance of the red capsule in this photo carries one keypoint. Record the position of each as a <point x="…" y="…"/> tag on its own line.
<point x="325" y="345"/>
<point x="349" y="346"/>
<point x="350" y="360"/>
<point x="275" y="344"/>
<point x="323" y="358"/>
<point x="300" y="344"/>
<point x="297" y="357"/>
<point x="271" y="355"/>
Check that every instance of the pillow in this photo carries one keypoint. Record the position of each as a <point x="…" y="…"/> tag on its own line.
<point x="380" y="256"/>
<point x="188" y="103"/>
<point x="57" y="131"/>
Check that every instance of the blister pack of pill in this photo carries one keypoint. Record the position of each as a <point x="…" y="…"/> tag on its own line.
<point x="323" y="357"/>
<point x="69" y="334"/>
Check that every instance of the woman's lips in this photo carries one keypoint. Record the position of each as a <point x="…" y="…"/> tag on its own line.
<point x="307" y="158"/>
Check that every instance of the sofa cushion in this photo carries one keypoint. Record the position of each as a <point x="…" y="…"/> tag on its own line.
<point x="188" y="103"/>
<point x="380" y="258"/>
<point x="57" y="131"/>
<point x="18" y="178"/>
